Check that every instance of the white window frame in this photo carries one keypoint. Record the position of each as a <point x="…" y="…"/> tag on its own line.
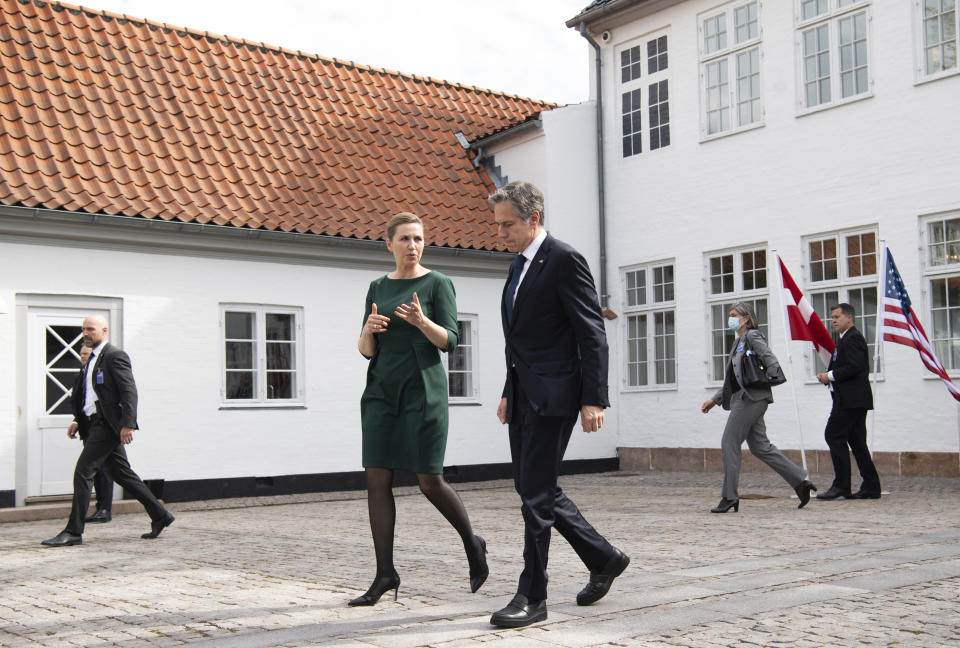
<point x="726" y="59"/>
<point x="642" y="85"/>
<point x="736" y="294"/>
<point x="842" y="284"/>
<point x="649" y="309"/>
<point x="931" y="272"/>
<point x="920" y="44"/>
<point x="261" y="401"/>
<point x="837" y="11"/>
<point x="473" y="397"/>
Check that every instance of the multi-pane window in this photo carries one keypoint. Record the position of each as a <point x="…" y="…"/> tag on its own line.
<point x="842" y="267"/>
<point x="730" y="67"/>
<point x="942" y="269"/>
<point x="645" y="95"/>
<point x="462" y="362"/>
<point x="631" y="64"/>
<point x="262" y="355"/>
<point x="651" y="334"/>
<point x="659" y="107"/>
<point x="733" y="276"/>
<point x="833" y="51"/>
<point x="939" y="25"/>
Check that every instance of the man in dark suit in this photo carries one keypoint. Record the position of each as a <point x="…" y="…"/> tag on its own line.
<point x="556" y="352"/>
<point x="102" y="482"/>
<point x="849" y="382"/>
<point x="105" y="409"/>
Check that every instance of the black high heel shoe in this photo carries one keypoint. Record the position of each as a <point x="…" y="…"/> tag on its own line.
<point x="725" y="505"/>
<point x="380" y="585"/>
<point x="803" y="492"/>
<point x="478" y="565"/>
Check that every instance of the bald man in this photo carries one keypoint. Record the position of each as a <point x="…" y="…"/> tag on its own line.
<point x="105" y="409"/>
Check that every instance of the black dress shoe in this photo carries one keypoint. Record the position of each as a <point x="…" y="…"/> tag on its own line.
<point x="834" y="493"/>
<point x="601" y="580"/>
<point x="157" y="526"/>
<point x="519" y="612"/>
<point x="803" y="492"/>
<point x="63" y="539"/>
<point x="862" y="494"/>
<point x="100" y="516"/>
<point x="725" y="505"/>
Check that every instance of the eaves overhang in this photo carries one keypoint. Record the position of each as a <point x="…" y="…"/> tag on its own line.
<point x="613" y="13"/>
<point x="34" y="225"/>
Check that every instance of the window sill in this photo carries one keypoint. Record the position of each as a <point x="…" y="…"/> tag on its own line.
<point x="646" y="390"/>
<point x="261" y="406"/>
<point x="930" y="78"/>
<point x="730" y="132"/>
<point x="467" y="402"/>
<point x="803" y="112"/>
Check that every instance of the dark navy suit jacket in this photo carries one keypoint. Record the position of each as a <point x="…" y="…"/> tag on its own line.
<point x="556" y="343"/>
<point x="851" y="372"/>
<point x="117" y="394"/>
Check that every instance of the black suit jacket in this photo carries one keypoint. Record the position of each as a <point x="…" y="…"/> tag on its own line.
<point x="117" y="394"/>
<point x="557" y="343"/>
<point x="851" y="372"/>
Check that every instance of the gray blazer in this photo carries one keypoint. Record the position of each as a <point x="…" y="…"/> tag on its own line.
<point x="758" y="344"/>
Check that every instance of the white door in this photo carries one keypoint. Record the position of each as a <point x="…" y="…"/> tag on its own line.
<point x="53" y="363"/>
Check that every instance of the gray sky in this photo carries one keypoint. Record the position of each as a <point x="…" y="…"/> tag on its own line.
<point x="517" y="46"/>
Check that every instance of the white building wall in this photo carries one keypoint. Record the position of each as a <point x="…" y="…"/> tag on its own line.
<point x="171" y="310"/>
<point x="883" y="161"/>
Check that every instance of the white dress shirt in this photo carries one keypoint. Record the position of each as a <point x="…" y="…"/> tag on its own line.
<point x="528" y="253"/>
<point x="90" y="396"/>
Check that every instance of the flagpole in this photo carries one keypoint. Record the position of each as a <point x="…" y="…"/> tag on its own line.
<point x="793" y="382"/>
<point x="877" y="341"/>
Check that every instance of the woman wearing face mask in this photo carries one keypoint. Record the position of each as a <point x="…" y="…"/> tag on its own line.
<point x="411" y="315"/>
<point x="747" y="406"/>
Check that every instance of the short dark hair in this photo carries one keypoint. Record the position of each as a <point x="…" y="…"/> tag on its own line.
<point x="845" y="308"/>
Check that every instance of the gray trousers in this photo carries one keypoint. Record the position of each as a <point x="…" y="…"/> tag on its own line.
<point x="745" y="423"/>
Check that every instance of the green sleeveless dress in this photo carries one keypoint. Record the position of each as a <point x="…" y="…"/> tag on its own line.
<point x="403" y="409"/>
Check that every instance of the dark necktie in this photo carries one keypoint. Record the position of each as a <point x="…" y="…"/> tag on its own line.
<point x="516" y="268"/>
<point x="83" y="381"/>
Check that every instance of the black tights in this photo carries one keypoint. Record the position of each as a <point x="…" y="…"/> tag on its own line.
<point x="383" y="512"/>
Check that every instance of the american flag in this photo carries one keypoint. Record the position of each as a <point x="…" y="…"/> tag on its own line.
<point x="804" y="322"/>
<point x="900" y="324"/>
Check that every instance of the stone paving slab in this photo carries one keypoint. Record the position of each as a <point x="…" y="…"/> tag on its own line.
<point x="277" y="573"/>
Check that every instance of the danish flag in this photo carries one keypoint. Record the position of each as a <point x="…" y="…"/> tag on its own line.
<point x="805" y="324"/>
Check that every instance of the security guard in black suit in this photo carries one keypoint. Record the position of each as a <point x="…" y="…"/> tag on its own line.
<point x="849" y="382"/>
<point x="105" y="409"/>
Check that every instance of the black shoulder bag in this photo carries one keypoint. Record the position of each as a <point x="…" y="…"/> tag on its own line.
<point x="754" y="373"/>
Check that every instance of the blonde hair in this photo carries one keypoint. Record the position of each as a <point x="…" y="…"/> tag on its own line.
<point x="402" y="218"/>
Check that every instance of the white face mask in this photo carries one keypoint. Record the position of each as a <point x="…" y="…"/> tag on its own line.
<point x="733" y="323"/>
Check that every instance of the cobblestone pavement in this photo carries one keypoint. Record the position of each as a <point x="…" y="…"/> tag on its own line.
<point x="278" y="572"/>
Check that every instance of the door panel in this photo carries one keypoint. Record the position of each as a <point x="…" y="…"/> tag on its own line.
<point x="53" y="363"/>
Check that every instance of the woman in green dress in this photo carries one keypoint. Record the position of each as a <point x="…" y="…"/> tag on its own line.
<point x="404" y="406"/>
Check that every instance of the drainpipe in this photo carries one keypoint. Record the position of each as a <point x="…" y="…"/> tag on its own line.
<point x="601" y="198"/>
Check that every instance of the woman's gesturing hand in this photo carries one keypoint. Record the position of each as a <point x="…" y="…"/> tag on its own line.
<point x="411" y="313"/>
<point x="376" y="323"/>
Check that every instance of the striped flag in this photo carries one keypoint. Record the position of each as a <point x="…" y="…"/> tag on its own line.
<point x="805" y="324"/>
<point x="900" y="324"/>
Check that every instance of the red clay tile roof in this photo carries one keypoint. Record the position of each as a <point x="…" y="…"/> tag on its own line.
<point x="103" y="113"/>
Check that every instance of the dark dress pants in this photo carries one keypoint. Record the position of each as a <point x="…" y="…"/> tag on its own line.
<point x="103" y="487"/>
<point x="103" y="448"/>
<point x="537" y="444"/>
<point x="848" y="427"/>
